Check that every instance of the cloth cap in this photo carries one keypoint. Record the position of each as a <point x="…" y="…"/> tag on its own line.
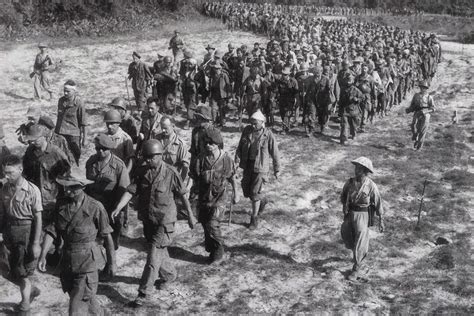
<point x="42" y="45"/>
<point x="210" y="47"/>
<point x="364" y="162"/>
<point x="73" y="179"/>
<point x="136" y="55"/>
<point x="258" y="115"/>
<point x="46" y="121"/>
<point x="424" y="84"/>
<point x="204" y="112"/>
<point x="214" y="135"/>
<point x="33" y="132"/>
<point x="104" y="141"/>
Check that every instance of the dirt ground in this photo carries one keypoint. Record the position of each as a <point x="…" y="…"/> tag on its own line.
<point x="295" y="261"/>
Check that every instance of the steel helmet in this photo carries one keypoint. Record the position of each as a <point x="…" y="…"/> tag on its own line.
<point x="152" y="147"/>
<point x="118" y="102"/>
<point x="364" y="162"/>
<point x="112" y="116"/>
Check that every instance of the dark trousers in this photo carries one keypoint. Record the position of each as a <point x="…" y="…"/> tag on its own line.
<point x="74" y="144"/>
<point x="209" y="218"/>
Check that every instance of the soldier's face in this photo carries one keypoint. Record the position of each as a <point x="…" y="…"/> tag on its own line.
<point x="152" y="108"/>
<point x="112" y="128"/>
<point x="72" y="192"/>
<point x="360" y="171"/>
<point x="211" y="147"/>
<point x="68" y="92"/>
<point x="13" y="173"/>
<point x="257" y="124"/>
<point x="135" y="58"/>
<point x="37" y="143"/>
<point x="167" y="128"/>
<point x="153" y="160"/>
<point x="102" y="152"/>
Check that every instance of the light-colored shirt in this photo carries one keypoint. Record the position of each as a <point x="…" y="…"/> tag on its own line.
<point x="20" y="203"/>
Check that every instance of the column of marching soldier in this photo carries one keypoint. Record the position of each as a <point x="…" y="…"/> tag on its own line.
<point x="345" y="68"/>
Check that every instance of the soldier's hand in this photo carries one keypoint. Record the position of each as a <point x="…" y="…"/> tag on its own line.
<point x="191" y="221"/>
<point x="36" y="250"/>
<point x="381" y="226"/>
<point x="42" y="264"/>
<point x="114" y="214"/>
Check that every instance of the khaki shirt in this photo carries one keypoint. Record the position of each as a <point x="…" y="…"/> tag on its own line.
<point x="19" y="204"/>
<point x="123" y="146"/>
<point x="363" y="194"/>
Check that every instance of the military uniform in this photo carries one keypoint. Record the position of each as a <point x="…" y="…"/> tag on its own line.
<point x="287" y="92"/>
<point x="18" y="207"/>
<point x="141" y="76"/>
<point x="71" y="118"/>
<point x="111" y="180"/>
<point x="42" y="169"/>
<point x="123" y="146"/>
<point x="130" y="126"/>
<point x="41" y="75"/>
<point x="82" y="257"/>
<point x="253" y="90"/>
<point x="350" y="111"/>
<point x="211" y="179"/>
<point x="156" y="187"/>
<point x="422" y="106"/>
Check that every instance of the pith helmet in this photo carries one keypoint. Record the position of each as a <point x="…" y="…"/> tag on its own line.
<point x="364" y="162"/>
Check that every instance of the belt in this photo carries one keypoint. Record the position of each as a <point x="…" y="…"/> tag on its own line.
<point x="79" y="245"/>
<point x="19" y="222"/>
<point x="359" y="208"/>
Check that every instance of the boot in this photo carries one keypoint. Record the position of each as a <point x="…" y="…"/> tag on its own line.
<point x="217" y="256"/>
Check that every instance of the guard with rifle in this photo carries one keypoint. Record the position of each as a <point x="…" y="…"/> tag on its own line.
<point x="360" y="200"/>
<point x="212" y="170"/>
<point x="40" y="74"/>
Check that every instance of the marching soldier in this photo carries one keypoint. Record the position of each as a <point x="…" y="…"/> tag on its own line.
<point x="221" y="91"/>
<point x="189" y="89"/>
<point x="325" y="98"/>
<point x="150" y="127"/>
<point x="43" y="162"/>
<point x="55" y="139"/>
<point x="349" y="110"/>
<point x="156" y="183"/>
<point x="365" y="83"/>
<point x="252" y="91"/>
<point x="256" y="146"/>
<point x="176" y="45"/>
<point x="213" y="169"/>
<point x="110" y="180"/>
<point x="123" y="145"/>
<point x="128" y="123"/>
<point x="43" y="63"/>
<point x="78" y="220"/>
<point x="20" y="223"/>
<point x="360" y="199"/>
<point x="166" y="86"/>
<point x="422" y="105"/>
<point x="141" y="77"/>
<point x="72" y="119"/>
<point x="287" y="88"/>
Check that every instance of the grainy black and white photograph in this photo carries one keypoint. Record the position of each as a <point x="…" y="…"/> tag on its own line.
<point x="177" y="157"/>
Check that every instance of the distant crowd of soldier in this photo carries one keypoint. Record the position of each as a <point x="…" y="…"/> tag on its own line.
<point x="309" y="70"/>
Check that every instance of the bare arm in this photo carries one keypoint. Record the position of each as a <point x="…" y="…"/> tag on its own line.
<point x="126" y="197"/>
<point x="47" y="242"/>
<point x="109" y="247"/>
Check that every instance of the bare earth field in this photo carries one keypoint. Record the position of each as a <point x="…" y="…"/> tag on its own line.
<point x="295" y="261"/>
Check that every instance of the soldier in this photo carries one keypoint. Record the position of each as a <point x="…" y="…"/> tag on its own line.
<point x="33" y="115"/>
<point x="166" y="86"/>
<point x="156" y="184"/>
<point x="4" y="152"/>
<point x="268" y="94"/>
<point x="175" y="151"/>
<point x="360" y="199"/>
<point x="349" y="110"/>
<point x="72" y="119"/>
<point x="213" y="169"/>
<point x="110" y="180"/>
<point x="325" y="98"/>
<point x="221" y="91"/>
<point x="151" y="123"/>
<point x="257" y="144"/>
<point x="43" y="162"/>
<point x="123" y="145"/>
<point x="55" y="139"/>
<point x="287" y="88"/>
<point x="128" y="123"/>
<point x="20" y="223"/>
<point x="43" y="63"/>
<point x="176" y="45"/>
<point x="304" y="102"/>
<point x="141" y="78"/>
<point x="252" y="90"/>
<point x="189" y="89"/>
<point x="365" y="83"/>
<point x="79" y="220"/>
<point x="422" y="105"/>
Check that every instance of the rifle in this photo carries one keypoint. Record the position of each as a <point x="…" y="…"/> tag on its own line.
<point x="421" y="204"/>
